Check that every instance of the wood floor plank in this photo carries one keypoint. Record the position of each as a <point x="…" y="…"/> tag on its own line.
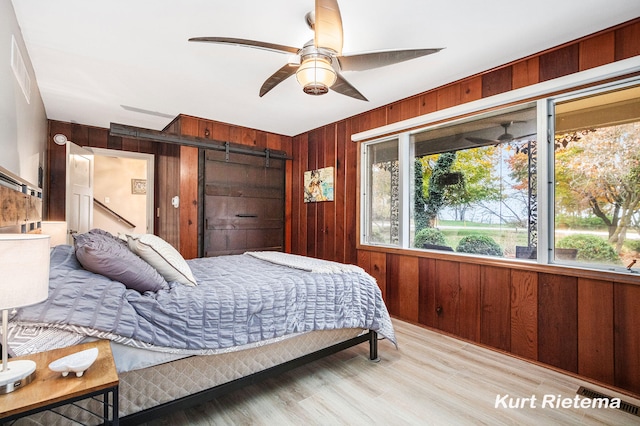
<point x="431" y="379"/>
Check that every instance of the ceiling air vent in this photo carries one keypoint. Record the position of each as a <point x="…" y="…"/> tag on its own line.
<point x="20" y="70"/>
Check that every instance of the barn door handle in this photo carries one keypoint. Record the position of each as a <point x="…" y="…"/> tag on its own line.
<point x="246" y="215"/>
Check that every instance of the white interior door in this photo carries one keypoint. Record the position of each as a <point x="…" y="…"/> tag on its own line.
<point x="79" y="202"/>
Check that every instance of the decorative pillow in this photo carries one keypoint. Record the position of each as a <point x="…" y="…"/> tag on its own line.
<point x="102" y="253"/>
<point x="162" y="256"/>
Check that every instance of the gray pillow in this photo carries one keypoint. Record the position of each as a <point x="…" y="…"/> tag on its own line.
<point x="162" y="256"/>
<point x="104" y="254"/>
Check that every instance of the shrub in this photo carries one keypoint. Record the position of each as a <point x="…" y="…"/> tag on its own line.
<point x="633" y="245"/>
<point x="479" y="244"/>
<point x="429" y="236"/>
<point x="590" y="248"/>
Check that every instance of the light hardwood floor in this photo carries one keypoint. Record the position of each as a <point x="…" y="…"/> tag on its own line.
<point x="430" y="379"/>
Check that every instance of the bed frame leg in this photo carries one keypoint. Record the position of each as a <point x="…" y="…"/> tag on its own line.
<point x="373" y="346"/>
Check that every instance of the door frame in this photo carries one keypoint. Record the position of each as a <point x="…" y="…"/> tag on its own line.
<point x="150" y="159"/>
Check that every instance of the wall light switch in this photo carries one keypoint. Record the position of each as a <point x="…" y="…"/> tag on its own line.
<point x="107" y="200"/>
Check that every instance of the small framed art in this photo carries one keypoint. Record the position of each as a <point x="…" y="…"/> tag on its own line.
<point x="138" y="186"/>
<point x="318" y="185"/>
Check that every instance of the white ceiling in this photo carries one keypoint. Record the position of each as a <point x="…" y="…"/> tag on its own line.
<point x="129" y="62"/>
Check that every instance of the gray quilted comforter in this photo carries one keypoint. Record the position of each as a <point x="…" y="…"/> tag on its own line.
<point x="239" y="300"/>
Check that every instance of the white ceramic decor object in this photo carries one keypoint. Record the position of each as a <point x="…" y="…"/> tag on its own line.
<point x="77" y="363"/>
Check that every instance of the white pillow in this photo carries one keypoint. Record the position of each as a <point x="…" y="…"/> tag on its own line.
<point x="162" y="256"/>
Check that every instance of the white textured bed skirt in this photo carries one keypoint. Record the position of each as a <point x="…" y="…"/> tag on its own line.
<point x="151" y="386"/>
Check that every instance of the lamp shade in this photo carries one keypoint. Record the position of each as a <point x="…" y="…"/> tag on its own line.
<point x="24" y="269"/>
<point x="316" y="75"/>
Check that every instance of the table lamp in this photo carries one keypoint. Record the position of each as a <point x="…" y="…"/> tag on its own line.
<point x="24" y="280"/>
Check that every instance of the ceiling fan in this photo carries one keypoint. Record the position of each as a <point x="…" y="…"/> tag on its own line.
<point x="505" y="137"/>
<point x="318" y="63"/>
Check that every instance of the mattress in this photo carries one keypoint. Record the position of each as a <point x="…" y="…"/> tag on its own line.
<point x="147" y="387"/>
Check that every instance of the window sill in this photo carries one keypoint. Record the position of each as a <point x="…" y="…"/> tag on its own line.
<point x="520" y="264"/>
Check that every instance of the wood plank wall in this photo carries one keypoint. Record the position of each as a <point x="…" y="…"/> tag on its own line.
<point x="177" y="226"/>
<point x="580" y="324"/>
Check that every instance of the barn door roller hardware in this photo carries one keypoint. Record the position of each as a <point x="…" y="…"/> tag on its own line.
<point x="125" y="131"/>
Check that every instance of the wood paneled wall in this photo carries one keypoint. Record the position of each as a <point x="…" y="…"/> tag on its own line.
<point x="583" y="325"/>
<point x="326" y="230"/>
<point x="176" y="171"/>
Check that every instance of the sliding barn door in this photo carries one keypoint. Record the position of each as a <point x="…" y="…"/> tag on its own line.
<point x="243" y="203"/>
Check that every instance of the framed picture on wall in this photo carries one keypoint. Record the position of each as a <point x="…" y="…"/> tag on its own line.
<point x="318" y="185"/>
<point x="138" y="186"/>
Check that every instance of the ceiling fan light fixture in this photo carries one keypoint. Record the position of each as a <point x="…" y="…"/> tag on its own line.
<point x="316" y="75"/>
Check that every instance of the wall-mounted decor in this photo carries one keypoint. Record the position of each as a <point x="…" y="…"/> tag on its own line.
<point x="318" y="185"/>
<point x="138" y="186"/>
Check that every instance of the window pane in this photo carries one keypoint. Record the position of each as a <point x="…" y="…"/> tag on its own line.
<point x="475" y="186"/>
<point x="382" y="196"/>
<point x="597" y="179"/>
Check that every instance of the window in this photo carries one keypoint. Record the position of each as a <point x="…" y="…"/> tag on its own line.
<point x="471" y="185"/>
<point x="597" y="179"/>
<point x="474" y="185"/>
<point x="382" y="185"/>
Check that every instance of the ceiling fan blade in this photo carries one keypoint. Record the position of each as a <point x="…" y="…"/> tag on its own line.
<point x="525" y="136"/>
<point x="365" y="61"/>
<point x="343" y="87"/>
<point x="247" y="43"/>
<point x="328" y="26"/>
<point x="278" y="77"/>
<point x="482" y="141"/>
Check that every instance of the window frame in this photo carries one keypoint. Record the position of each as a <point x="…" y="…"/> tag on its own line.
<point x="550" y="115"/>
<point x="545" y="107"/>
<point x="366" y="184"/>
<point x="406" y="151"/>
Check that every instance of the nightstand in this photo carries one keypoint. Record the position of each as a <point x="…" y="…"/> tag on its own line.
<point x="50" y="390"/>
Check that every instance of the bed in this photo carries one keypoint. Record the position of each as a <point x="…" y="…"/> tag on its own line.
<point x="189" y="338"/>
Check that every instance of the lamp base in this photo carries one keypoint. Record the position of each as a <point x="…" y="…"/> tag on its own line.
<point x="18" y="374"/>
